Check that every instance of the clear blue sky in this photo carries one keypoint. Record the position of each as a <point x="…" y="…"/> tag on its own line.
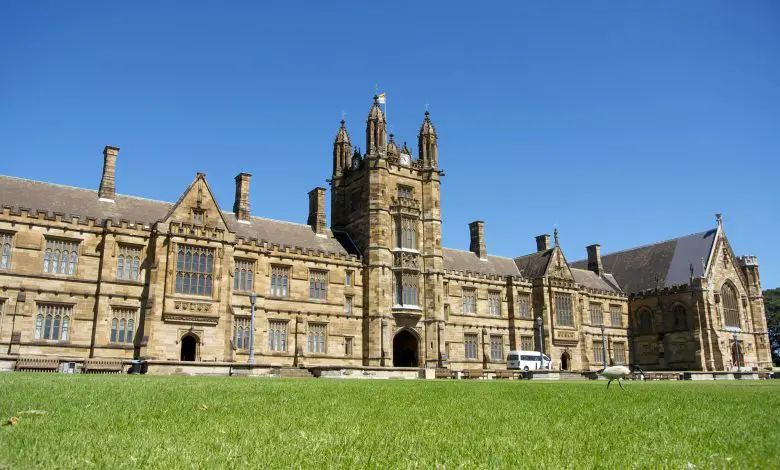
<point x="621" y="123"/>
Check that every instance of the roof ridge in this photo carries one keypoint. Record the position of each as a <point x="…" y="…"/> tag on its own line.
<point x="272" y="220"/>
<point x="647" y="245"/>
<point x="80" y="188"/>
<point x="469" y="251"/>
<point x="532" y="254"/>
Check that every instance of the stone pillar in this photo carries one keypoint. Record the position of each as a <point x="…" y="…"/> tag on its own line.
<point x="241" y="202"/>
<point x="108" y="181"/>
<point x="317" y="219"/>
<point x="477" y="231"/>
<point x="594" y="259"/>
<point x="543" y="242"/>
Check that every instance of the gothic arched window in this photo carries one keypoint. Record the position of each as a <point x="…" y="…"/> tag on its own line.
<point x="730" y="306"/>
<point x="680" y="317"/>
<point x="122" y="325"/>
<point x="644" y="321"/>
<point x="52" y="322"/>
<point x="5" y="250"/>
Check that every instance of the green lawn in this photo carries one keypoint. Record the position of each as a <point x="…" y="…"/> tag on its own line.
<point x="128" y="421"/>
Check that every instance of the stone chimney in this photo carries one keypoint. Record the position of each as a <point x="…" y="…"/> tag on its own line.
<point x="317" y="219"/>
<point x="543" y="242"/>
<point x="594" y="259"/>
<point x="107" y="189"/>
<point x="477" y="230"/>
<point x="241" y="203"/>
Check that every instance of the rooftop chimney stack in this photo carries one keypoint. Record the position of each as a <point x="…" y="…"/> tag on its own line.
<point x="107" y="189"/>
<point x="477" y="230"/>
<point x="543" y="242"/>
<point x="317" y="219"/>
<point x="241" y="203"/>
<point x="594" y="259"/>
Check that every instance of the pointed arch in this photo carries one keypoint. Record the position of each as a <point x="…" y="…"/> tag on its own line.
<point x="730" y="304"/>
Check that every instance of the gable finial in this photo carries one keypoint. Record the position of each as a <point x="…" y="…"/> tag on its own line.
<point x="555" y="234"/>
<point x="719" y="219"/>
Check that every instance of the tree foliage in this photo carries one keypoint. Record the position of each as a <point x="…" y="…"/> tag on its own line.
<point x="772" y="308"/>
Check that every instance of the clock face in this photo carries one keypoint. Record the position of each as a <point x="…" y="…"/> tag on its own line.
<point x="355" y="163"/>
<point x="405" y="159"/>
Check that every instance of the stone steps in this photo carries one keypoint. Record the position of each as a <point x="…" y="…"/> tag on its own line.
<point x="571" y="376"/>
<point x="295" y="373"/>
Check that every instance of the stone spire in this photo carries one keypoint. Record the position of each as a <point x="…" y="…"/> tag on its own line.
<point x="342" y="151"/>
<point x="428" y="147"/>
<point x="376" y="129"/>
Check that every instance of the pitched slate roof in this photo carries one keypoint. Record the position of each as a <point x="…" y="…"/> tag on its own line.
<point x="285" y="233"/>
<point x="534" y="265"/>
<point x="591" y="280"/>
<point x="19" y="193"/>
<point x="636" y="269"/>
<point x="459" y="260"/>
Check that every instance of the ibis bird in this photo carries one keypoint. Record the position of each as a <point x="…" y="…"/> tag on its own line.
<point x="615" y="373"/>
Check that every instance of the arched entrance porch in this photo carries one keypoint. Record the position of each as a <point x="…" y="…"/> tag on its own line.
<point x="406" y="349"/>
<point x="565" y="361"/>
<point x="189" y="347"/>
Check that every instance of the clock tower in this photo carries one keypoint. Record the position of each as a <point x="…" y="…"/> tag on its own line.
<point x="388" y="201"/>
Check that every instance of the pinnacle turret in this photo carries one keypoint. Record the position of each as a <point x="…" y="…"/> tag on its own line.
<point x="376" y="129"/>
<point x="427" y="143"/>
<point x="342" y="150"/>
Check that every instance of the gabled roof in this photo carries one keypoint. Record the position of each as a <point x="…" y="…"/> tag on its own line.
<point x="19" y="193"/>
<point x="459" y="260"/>
<point x="669" y="262"/>
<point x="534" y="265"/>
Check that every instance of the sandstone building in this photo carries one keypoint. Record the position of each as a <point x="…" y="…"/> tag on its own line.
<point x="87" y="273"/>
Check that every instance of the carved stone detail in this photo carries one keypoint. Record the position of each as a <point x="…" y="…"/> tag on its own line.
<point x="193" y="319"/>
<point x="191" y="306"/>
<point x="406" y="260"/>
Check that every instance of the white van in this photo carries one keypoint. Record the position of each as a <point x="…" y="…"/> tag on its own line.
<point x="527" y="360"/>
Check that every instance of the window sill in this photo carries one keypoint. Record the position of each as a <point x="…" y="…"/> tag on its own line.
<point x="130" y="282"/>
<point x="406" y="250"/>
<point x="178" y="295"/>
<point x="411" y="308"/>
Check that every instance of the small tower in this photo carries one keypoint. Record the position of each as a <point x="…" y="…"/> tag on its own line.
<point x="428" y="148"/>
<point x="392" y="148"/>
<point x="376" y="129"/>
<point x="342" y="151"/>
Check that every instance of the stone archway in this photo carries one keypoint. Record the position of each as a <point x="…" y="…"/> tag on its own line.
<point x="565" y="361"/>
<point x="189" y="347"/>
<point x="406" y="349"/>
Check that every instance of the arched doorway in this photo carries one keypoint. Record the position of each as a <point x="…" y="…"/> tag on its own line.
<point x="405" y="349"/>
<point x="189" y="347"/>
<point x="565" y="361"/>
<point x="737" y="354"/>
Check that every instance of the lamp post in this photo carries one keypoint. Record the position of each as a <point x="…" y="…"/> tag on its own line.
<point x="252" y="299"/>
<point x="541" y="341"/>
<point x="604" y="345"/>
<point x="736" y="350"/>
